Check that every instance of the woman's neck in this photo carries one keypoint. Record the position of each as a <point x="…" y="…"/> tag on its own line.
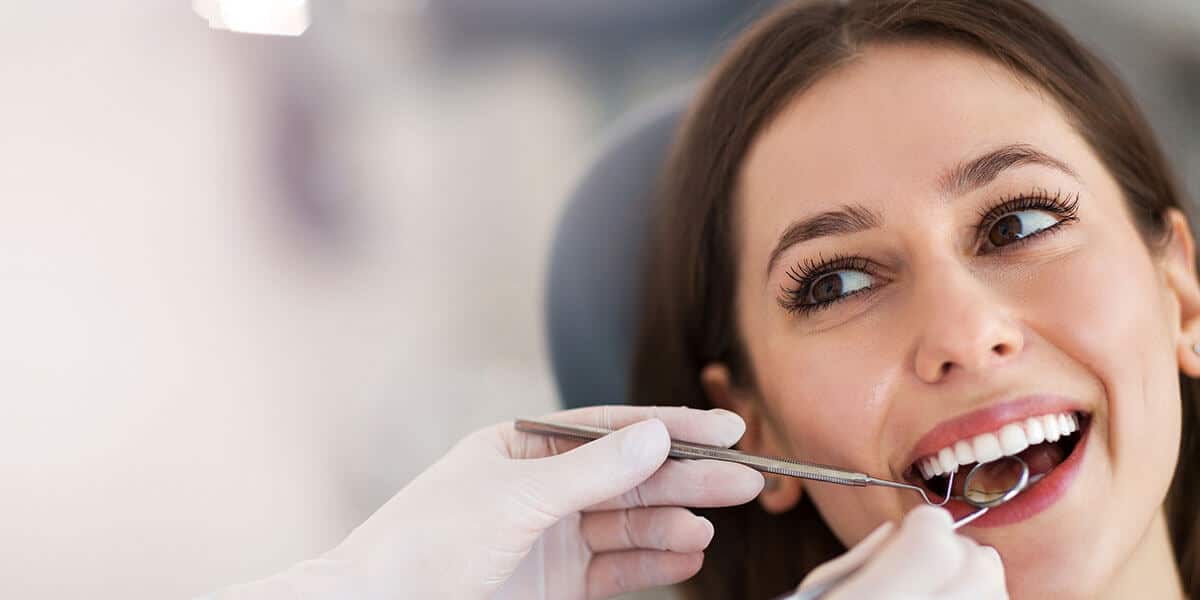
<point x="1150" y="571"/>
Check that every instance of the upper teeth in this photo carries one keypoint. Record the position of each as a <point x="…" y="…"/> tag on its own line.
<point x="1008" y="440"/>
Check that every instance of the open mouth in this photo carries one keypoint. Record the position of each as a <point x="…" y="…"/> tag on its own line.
<point x="1043" y="442"/>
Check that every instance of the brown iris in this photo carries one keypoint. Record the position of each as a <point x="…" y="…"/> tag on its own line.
<point x="827" y="288"/>
<point x="1005" y="231"/>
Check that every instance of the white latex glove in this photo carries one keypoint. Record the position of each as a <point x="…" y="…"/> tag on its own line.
<point x="924" y="559"/>
<point x="601" y="519"/>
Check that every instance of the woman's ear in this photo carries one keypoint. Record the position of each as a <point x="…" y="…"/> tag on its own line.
<point x="780" y="494"/>
<point x="1179" y="267"/>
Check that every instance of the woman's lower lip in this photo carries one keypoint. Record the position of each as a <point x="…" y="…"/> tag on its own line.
<point x="1038" y="497"/>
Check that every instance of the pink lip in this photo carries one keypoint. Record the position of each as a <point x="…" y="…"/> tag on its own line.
<point x="987" y="420"/>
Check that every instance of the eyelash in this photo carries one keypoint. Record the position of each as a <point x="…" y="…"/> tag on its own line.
<point x="809" y="272"/>
<point x="1066" y="209"/>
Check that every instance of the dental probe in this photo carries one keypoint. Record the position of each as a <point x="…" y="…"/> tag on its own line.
<point x="777" y="466"/>
<point x="982" y="500"/>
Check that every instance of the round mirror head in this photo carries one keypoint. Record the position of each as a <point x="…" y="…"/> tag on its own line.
<point x="994" y="483"/>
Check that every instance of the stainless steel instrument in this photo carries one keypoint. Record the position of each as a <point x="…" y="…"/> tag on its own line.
<point x="981" y="500"/>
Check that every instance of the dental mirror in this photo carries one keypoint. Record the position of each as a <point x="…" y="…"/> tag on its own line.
<point x="991" y="484"/>
<point x="987" y="485"/>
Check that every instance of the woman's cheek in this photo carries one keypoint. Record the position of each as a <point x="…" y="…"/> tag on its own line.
<point x="1103" y="309"/>
<point x="822" y="402"/>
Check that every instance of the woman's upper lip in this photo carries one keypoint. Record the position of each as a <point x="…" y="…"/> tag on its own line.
<point x="987" y="420"/>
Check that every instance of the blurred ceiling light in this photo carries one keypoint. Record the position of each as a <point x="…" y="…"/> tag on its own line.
<point x="268" y="17"/>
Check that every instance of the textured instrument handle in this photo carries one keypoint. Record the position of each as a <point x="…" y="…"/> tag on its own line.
<point x="766" y="464"/>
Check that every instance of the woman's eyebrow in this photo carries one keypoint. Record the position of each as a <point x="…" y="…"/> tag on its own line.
<point x="981" y="170"/>
<point x="960" y="179"/>
<point x="843" y="221"/>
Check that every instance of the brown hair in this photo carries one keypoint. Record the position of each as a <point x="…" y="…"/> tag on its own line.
<point x="688" y="313"/>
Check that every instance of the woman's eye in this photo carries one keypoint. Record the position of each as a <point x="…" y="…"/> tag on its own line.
<point x="831" y="286"/>
<point x="1019" y="224"/>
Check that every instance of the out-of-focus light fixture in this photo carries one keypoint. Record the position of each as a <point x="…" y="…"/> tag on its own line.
<point x="268" y="17"/>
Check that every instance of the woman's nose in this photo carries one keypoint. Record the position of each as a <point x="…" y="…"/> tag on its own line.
<point x="964" y="326"/>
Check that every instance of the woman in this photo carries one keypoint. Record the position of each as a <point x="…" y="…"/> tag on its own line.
<point x="903" y="236"/>
<point x="898" y="236"/>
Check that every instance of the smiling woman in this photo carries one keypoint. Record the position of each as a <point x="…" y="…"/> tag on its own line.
<point x="908" y="236"/>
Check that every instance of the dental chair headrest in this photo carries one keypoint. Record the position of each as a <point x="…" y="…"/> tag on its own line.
<point x="593" y="289"/>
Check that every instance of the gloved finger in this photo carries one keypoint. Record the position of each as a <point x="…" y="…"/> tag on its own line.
<point x="555" y="486"/>
<point x="981" y="577"/>
<point x="922" y="556"/>
<point x="659" y="528"/>
<point x="716" y="427"/>
<point x="852" y="559"/>
<point x="614" y="573"/>
<point x="699" y="483"/>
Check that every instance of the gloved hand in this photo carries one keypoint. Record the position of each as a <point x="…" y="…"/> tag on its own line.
<point x="528" y="516"/>
<point x="924" y="559"/>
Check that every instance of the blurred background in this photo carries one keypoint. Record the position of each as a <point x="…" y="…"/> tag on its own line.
<point x="250" y="286"/>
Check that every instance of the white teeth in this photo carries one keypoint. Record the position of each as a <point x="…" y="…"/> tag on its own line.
<point x="926" y="472"/>
<point x="934" y="465"/>
<point x="963" y="452"/>
<point x="949" y="463"/>
<point x="987" y="447"/>
<point x="1050" y="426"/>
<point x="1010" y="439"/>
<point x="1034" y="433"/>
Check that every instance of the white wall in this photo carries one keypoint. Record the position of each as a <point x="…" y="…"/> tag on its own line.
<point x="190" y="393"/>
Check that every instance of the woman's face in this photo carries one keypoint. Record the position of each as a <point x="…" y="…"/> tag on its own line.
<point x="972" y="265"/>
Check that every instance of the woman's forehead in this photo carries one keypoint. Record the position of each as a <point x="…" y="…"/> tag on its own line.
<point x="892" y="122"/>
